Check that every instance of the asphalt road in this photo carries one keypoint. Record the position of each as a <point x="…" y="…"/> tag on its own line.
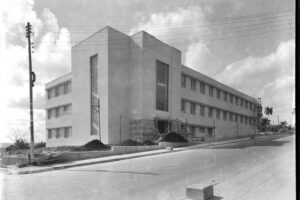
<point x="262" y="169"/>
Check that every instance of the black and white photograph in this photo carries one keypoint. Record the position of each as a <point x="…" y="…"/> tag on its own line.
<point x="147" y="100"/>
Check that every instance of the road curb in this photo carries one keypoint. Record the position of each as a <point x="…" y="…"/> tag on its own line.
<point x="128" y="156"/>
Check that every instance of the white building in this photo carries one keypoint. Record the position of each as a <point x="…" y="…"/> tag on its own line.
<point x="138" y="85"/>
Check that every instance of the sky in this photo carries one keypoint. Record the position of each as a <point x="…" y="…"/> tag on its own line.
<point x="246" y="44"/>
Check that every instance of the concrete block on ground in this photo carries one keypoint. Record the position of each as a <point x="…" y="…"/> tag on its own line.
<point x="200" y="192"/>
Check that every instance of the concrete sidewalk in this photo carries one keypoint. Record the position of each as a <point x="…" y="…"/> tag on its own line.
<point x="37" y="169"/>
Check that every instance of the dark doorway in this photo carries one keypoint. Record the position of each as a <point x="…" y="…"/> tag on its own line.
<point x="162" y="126"/>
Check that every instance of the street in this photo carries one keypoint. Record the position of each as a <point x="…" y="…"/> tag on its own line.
<point x="262" y="169"/>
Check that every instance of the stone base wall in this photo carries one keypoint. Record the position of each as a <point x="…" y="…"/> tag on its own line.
<point x="142" y="130"/>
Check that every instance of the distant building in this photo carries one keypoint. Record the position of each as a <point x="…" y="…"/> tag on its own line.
<point x="127" y="87"/>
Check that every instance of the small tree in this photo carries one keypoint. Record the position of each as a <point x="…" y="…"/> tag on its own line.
<point x="18" y="137"/>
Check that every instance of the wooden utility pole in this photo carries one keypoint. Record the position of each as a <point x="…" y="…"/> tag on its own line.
<point x="31" y="84"/>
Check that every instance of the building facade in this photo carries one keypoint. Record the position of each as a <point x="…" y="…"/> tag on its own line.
<point x="135" y="87"/>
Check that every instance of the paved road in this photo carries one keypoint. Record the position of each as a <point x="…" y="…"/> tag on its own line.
<point x="248" y="170"/>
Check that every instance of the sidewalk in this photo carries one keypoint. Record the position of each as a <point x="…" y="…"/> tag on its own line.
<point x="37" y="169"/>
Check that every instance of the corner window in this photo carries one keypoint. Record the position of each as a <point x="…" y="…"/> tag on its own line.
<point x="202" y="110"/>
<point x="183" y="106"/>
<point x="210" y="112"/>
<point x="193" y="84"/>
<point x="211" y="91"/>
<point x="193" y="108"/>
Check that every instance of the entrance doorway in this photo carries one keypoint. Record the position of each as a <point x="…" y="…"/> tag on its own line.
<point x="163" y="126"/>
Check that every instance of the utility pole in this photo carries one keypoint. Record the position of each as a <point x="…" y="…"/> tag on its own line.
<point x="31" y="84"/>
<point x="120" y="129"/>
<point x="99" y="130"/>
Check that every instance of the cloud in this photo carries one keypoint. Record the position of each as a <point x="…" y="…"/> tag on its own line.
<point x="171" y="26"/>
<point x="271" y="77"/>
<point x="51" y="58"/>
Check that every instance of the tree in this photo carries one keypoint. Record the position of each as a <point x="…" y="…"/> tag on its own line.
<point x="268" y="111"/>
<point x="283" y="124"/>
<point x="265" y="123"/>
<point x="18" y="137"/>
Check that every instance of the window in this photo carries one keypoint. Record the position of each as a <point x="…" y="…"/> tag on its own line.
<point x="250" y="120"/>
<point x="202" y="87"/>
<point x="67" y="132"/>
<point x="49" y="93"/>
<point x="236" y="118"/>
<point x="241" y="119"/>
<point x="95" y="102"/>
<point x="193" y="108"/>
<point x="49" y="133"/>
<point x="56" y="91"/>
<point x="57" y="114"/>
<point x="211" y="91"/>
<point x="225" y="96"/>
<point x="218" y="94"/>
<point x="224" y="115"/>
<point x="162" y="74"/>
<point x="210" y="112"/>
<point x="192" y="128"/>
<point x="246" y="120"/>
<point x="236" y="101"/>
<point x="49" y="112"/>
<point x="183" y="81"/>
<point x="246" y="104"/>
<point x="67" y="109"/>
<point x="242" y="102"/>
<point x="67" y="87"/>
<point x="250" y="105"/>
<point x="193" y="84"/>
<point x="231" y="117"/>
<point x="183" y="106"/>
<point x="201" y="130"/>
<point x="231" y="98"/>
<point x="202" y="110"/>
<point x="57" y="133"/>
<point x="218" y="114"/>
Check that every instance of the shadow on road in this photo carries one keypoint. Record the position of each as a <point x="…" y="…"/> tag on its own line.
<point x="118" y="172"/>
<point x="269" y="143"/>
<point x="216" y="198"/>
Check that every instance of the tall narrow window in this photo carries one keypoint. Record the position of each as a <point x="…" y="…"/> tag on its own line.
<point x="183" y="106"/>
<point x="218" y="94"/>
<point x="225" y="96"/>
<point x="211" y="91"/>
<point x="218" y="114"/>
<point x="236" y="118"/>
<point x="231" y="98"/>
<point x="193" y="108"/>
<point x="95" y="107"/>
<point x="202" y="87"/>
<point x="224" y="115"/>
<point x="231" y="117"/>
<point x="162" y="76"/>
<point x="49" y="133"/>
<point x="236" y="101"/>
<point x="202" y="110"/>
<point x="193" y="84"/>
<point x="183" y="81"/>
<point x="210" y="112"/>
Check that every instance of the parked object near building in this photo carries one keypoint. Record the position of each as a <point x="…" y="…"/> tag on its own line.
<point x="135" y="87"/>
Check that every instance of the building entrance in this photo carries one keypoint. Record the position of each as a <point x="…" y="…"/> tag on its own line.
<point x="163" y="126"/>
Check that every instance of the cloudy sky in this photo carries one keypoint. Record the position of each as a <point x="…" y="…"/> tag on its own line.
<point x="247" y="44"/>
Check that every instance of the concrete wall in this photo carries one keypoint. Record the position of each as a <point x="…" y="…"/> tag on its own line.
<point x="62" y="121"/>
<point x="81" y="53"/>
<point x="118" y="90"/>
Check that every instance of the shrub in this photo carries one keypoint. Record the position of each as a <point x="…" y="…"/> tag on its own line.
<point x="173" y="137"/>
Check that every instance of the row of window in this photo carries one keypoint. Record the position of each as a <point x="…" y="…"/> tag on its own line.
<point x="60" y="89"/>
<point x="65" y="132"/>
<point x="227" y="116"/>
<point x="197" y="131"/>
<point x="216" y="92"/>
<point x="59" y="111"/>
